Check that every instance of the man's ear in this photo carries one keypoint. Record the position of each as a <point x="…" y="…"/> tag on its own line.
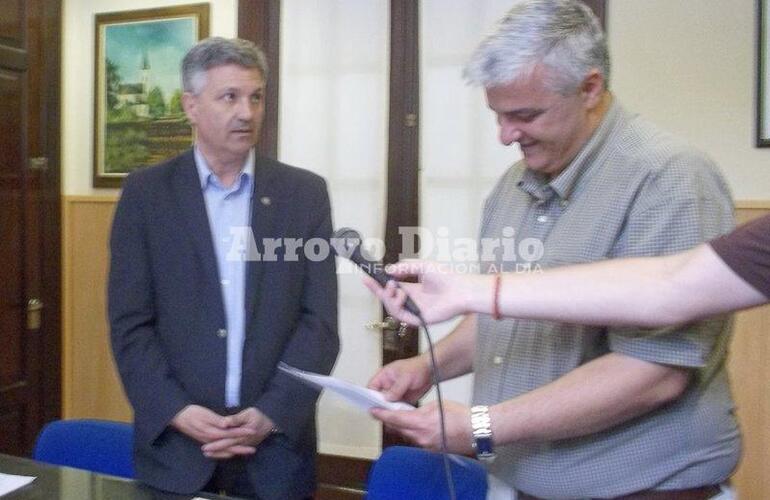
<point x="189" y="104"/>
<point x="592" y="89"/>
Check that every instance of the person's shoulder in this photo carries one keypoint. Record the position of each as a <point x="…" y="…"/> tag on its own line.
<point x="650" y="147"/>
<point x="160" y="173"/>
<point x="289" y="175"/>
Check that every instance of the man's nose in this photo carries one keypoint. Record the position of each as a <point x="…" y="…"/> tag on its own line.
<point x="246" y="109"/>
<point x="509" y="133"/>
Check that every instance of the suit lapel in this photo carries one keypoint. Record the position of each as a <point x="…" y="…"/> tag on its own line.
<point x="189" y="199"/>
<point x="262" y="220"/>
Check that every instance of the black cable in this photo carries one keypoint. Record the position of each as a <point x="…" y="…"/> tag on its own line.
<point x="436" y="380"/>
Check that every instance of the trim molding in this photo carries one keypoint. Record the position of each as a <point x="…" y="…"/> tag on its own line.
<point x="84" y="198"/>
<point x="752" y="205"/>
<point x="113" y="198"/>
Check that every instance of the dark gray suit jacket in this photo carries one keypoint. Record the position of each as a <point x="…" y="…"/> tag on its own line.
<point x="165" y="311"/>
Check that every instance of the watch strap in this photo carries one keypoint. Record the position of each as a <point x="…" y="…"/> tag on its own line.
<point x="481" y="428"/>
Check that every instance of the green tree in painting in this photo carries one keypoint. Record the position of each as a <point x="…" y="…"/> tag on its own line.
<point x="156" y="103"/>
<point x="112" y="84"/>
<point x="175" y="104"/>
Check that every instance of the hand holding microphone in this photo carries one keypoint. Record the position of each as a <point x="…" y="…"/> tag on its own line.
<point x="440" y="295"/>
<point x="346" y="243"/>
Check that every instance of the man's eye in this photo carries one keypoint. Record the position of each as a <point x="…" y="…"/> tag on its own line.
<point x="229" y="97"/>
<point x="528" y="117"/>
<point x="256" y="98"/>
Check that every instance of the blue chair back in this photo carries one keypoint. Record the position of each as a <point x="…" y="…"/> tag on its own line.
<point x="95" y="445"/>
<point x="403" y="472"/>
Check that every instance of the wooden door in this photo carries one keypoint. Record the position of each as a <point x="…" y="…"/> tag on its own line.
<point x="29" y="221"/>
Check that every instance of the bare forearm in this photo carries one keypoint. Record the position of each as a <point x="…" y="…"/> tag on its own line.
<point x="649" y="292"/>
<point x="622" y="291"/>
<point x="596" y="396"/>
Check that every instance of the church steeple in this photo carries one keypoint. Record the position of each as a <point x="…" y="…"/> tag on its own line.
<point x="145" y="74"/>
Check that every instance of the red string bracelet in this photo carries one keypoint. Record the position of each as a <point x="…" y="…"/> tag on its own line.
<point x="496" y="298"/>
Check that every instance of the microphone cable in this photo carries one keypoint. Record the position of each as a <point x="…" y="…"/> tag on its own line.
<point x="349" y="240"/>
<point x="442" y="422"/>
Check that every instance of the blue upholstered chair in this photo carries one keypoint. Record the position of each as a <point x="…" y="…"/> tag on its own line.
<point x="96" y="445"/>
<point x="403" y="473"/>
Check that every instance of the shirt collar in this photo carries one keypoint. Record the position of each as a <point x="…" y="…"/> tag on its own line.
<point x="206" y="175"/>
<point x="538" y="185"/>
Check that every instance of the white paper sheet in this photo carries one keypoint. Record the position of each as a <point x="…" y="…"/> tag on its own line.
<point x="9" y="482"/>
<point x="362" y="397"/>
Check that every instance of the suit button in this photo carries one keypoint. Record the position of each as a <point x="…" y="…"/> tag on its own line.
<point x="221" y="333"/>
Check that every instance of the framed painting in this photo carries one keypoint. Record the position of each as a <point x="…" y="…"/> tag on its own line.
<point x="138" y="116"/>
<point x="763" y="75"/>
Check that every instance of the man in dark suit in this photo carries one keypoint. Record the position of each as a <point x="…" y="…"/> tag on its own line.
<point x="201" y="314"/>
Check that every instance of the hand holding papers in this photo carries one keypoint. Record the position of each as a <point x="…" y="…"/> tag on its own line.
<point x="362" y="397"/>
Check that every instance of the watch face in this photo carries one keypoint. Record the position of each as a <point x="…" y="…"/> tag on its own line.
<point x="487" y="457"/>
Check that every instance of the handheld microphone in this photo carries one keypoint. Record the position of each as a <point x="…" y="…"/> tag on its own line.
<point x="347" y="244"/>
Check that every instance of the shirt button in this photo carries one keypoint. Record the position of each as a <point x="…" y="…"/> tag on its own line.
<point x="564" y="203"/>
<point x="221" y="333"/>
<point x="497" y="360"/>
<point x="225" y="282"/>
<point x="542" y="218"/>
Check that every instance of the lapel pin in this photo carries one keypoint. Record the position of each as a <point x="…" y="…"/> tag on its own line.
<point x="265" y="200"/>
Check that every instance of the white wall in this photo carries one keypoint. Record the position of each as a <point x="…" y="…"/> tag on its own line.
<point x="78" y="78"/>
<point x="689" y="66"/>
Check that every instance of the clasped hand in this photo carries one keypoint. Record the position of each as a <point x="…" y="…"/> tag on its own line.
<point x="224" y="437"/>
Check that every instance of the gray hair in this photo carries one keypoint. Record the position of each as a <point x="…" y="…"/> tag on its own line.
<point x="217" y="51"/>
<point x="563" y="35"/>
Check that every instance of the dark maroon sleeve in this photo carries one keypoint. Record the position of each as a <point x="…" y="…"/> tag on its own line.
<point x="747" y="252"/>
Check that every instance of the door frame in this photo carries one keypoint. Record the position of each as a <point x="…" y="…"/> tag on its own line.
<point x="51" y="355"/>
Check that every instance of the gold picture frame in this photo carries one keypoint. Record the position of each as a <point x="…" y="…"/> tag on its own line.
<point x="138" y="116"/>
<point x="763" y="75"/>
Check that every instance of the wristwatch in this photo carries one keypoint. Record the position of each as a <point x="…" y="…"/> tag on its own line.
<point x="481" y="427"/>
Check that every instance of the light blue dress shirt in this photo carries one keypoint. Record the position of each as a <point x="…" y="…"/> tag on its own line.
<point x="229" y="213"/>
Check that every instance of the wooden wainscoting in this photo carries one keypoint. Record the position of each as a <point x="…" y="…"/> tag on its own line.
<point x="91" y="387"/>
<point x="749" y="367"/>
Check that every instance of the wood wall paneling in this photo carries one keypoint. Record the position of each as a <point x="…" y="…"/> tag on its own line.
<point x="750" y="374"/>
<point x="92" y="388"/>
